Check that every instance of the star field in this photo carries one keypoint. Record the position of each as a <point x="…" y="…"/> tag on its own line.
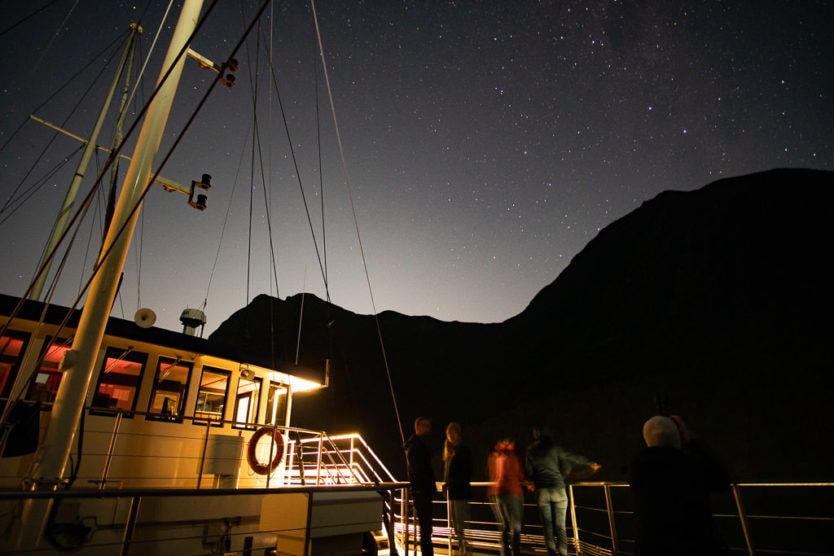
<point x="486" y="143"/>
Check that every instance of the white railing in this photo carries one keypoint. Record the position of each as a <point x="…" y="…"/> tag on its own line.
<point x="774" y="519"/>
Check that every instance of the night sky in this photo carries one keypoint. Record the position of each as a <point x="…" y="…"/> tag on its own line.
<point x="485" y="143"/>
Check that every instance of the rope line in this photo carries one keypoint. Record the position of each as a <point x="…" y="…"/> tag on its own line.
<point x="355" y="219"/>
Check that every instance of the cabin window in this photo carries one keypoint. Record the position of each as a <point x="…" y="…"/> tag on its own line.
<point x="246" y="404"/>
<point x="12" y="346"/>
<point x="118" y="382"/>
<point x="276" y="403"/>
<point x="44" y="387"/>
<point x="211" y="399"/>
<point x="170" y="387"/>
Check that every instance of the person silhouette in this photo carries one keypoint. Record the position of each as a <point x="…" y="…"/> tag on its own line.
<point x="457" y="458"/>
<point x="421" y="477"/>
<point x="671" y="480"/>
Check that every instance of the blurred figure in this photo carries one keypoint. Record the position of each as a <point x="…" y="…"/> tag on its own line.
<point x="671" y="481"/>
<point x="547" y="465"/>
<point x="421" y="477"/>
<point x="507" y="475"/>
<point x="457" y="475"/>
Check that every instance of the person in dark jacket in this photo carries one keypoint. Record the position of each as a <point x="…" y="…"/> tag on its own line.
<point x="457" y="458"/>
<point x="671" y="481"/>
<point x="421" y="477"/>
<point x="547" y="464"/>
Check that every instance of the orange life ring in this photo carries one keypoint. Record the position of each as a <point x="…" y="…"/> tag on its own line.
<point x="252" y="458"/>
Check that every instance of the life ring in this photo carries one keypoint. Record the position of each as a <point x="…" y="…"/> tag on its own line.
<point x="252" y="458"/>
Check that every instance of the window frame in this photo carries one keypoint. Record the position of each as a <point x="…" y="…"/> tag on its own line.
<point x="254" y="409"/>
<point x="49" y="343"/>
<point x="120" y="354"/>
<point x="199" y="418"/>
<point x="14" y="366"/>
<point x="178" y="415"/>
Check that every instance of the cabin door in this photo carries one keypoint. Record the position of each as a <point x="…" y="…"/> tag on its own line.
<point x="277" y="405"/>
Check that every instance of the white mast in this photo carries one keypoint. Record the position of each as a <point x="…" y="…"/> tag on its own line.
<point x="78" y="364"/>
<point x="81" y="170"/>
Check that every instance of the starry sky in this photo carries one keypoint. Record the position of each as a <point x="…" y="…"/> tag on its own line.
<point x="485" y="142"/>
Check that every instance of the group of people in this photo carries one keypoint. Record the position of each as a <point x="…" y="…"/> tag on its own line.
<point x="542" y="470"/>
<point x="671" y="480"/>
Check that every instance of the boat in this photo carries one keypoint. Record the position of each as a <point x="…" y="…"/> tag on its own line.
<point x="120" y="434"/>
<point x="172" y="417"/>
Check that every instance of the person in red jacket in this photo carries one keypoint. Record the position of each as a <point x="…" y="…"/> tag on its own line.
<point x="507" y="490"/>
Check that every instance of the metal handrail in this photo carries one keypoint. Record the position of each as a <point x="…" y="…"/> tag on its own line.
<point x="742" y="515"/>
<point x="606" y="539"/>
<point x="135" y="498"/>
<point x="191" y="492"/>
<point x="485" y="532"/>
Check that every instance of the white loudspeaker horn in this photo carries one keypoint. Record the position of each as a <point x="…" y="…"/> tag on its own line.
<point x="144" y="318"/>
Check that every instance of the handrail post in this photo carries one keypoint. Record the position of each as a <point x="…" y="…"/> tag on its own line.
<point x="609" y="506"/>
<point x="572" y="503"/>
<point x="449" y="522"/>
<point x="389" y="517"/>
<point x="318" y="460"/>
<point x="203" y="455"/>
<point x="130" y="524"/>
<point x="271" y="454"/>
<point x="106" y="469"/>
<point x="406" y="512"/>
<point x="742" y="517"/>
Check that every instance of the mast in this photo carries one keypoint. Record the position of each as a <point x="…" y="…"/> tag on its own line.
<point x="69" y="200"/>
<point x="78" y="364"/>
<point x="117" y="140"/>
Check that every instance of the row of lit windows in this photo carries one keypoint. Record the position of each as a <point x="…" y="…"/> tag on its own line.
<point x="121" y="376"/>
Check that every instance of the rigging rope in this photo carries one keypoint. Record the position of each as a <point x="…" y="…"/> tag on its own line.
<point x="150" y="52"/>
<point x="87" y="201"/>
<point x="35" y="68"/>
<point x="14" y="204"/>
<point x="355" y="218"/>
<point x="108" y="51"/>
<point x="27" y="18"/>
<point x="85" y="204"/>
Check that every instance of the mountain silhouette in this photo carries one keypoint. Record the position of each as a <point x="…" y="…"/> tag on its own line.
<point x="714" y="303"/>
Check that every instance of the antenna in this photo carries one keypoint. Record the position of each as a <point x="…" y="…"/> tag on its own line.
<point x="191" y="319"/>
<point x="144" y="318"/>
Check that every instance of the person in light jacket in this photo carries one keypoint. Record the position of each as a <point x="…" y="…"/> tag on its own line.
<point x="547" y="465"/>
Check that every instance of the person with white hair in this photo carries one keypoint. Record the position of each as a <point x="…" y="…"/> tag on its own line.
<point x="671" y="481"/>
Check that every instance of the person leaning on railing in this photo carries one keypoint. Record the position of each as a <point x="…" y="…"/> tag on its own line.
<point x="547" y="465"/>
